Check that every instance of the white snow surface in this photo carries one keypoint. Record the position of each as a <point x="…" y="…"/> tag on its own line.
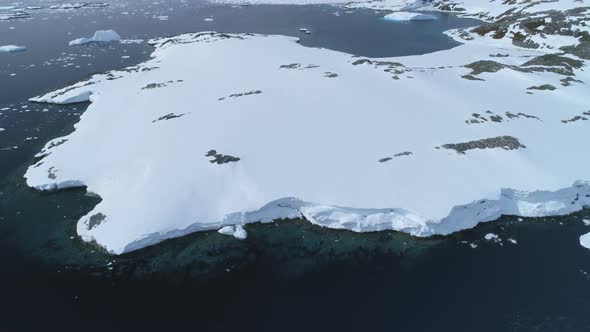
<point x="482" y="9"/>
<point x="99" y="36"/>
<point x="408" y="16"/>
<point x="585" y="240"/>
<point x="12" y="48"/>
<point x="311" y="144"/>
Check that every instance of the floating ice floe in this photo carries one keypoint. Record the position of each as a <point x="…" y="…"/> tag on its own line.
<point x="586" y="222"/>
<point x="5" y="16"/>
<point x="12" y="48"/>
<point x="491" y="237"/>
<point x="131" y="41"/>
<point x="236" y="231"/>
<point x="78" y="5"/>
<point x="67" y="6"/>
<point x="99" y="36"/>
<point x="240" y="232"/>
<point x="12" y="12"/>
<point x="408" y="16"/>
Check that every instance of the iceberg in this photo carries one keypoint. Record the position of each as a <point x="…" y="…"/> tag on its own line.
<point x="408" y="16"/>
<point x="103" y="36"/>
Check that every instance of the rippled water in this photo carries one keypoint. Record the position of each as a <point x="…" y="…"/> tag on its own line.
<point x="287" y="276"/>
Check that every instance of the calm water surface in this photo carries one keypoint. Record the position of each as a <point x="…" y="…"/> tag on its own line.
<point x="287" y="276"/>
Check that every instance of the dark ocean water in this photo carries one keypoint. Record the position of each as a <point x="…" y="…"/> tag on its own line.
<point x="287" y="276"/>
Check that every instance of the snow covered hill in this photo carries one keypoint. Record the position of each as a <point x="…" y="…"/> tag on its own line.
<point x="219" y="130"/>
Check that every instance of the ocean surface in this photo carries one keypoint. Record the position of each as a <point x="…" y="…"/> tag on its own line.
<point x="287" y="276"/>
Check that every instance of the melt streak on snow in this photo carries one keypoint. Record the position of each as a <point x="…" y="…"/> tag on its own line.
<point x="290" y="141"/>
